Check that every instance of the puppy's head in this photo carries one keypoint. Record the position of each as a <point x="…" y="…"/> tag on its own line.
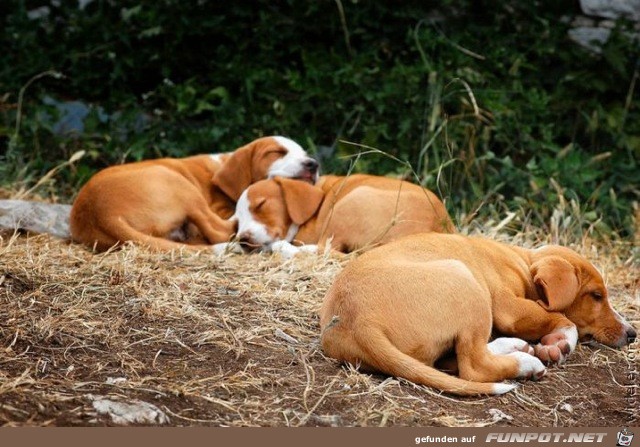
<point x="263" y="158"/>
<point x="566" y="282"/>
<point x="272" y="210"/>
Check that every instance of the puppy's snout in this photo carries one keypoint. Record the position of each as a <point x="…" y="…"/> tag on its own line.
<point x="311" y="165"/>
<point x="631" y="335"/>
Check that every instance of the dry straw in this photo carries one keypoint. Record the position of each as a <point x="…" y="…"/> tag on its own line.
<point x="233" y="341"/>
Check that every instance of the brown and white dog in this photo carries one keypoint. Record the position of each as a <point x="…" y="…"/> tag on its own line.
<point x="399" y="308"/>
<point x="350" y="213"/>
<point x="172" y="203"/>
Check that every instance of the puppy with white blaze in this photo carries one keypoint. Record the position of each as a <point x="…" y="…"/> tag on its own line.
<point x="350" y="213"/>
<point x="177" y="203"/>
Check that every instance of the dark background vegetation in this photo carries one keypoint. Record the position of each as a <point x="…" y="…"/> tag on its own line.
<point x="554" y="123"/>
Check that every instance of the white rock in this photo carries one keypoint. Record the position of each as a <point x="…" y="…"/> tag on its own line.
<point x="567" y="407"/>
<point x="37" y="217"/>
<point x="499" y="415"/>
<point x="133" y="412"/>
<point x="591" y="38"/>
<point x="612" y="9"/>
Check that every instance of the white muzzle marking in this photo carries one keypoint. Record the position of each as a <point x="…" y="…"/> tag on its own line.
<point x="292" y="164"/>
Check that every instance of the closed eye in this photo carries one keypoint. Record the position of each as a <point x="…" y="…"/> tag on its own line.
<point x="280" y="151"/>
<point x="258" y="204"/>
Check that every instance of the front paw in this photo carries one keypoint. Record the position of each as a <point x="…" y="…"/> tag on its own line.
<point x="285" y="249"/>
<point x="311" y="248"/>
<point x="507" y="345"/>
<point x="556" y="346"/>
<point x="226" y="247"/>
<point x="530" y="367"/>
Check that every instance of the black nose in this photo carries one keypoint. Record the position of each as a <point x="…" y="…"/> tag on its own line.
<point x="631" y="335"/>
<point x="246" y="242"/>
<point x="244" y="239"/>
<point x="311" y="165"/>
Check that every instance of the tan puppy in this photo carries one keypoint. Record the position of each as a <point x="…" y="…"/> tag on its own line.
<point x="401" y="307"/>
<point x="174" y="203"/>
<point x="349" y="212"/>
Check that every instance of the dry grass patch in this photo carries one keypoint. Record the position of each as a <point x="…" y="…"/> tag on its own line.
<point x="233" y="341"/>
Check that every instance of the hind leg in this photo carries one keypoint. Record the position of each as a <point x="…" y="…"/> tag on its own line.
<point x="214" y="228"/>
<point x="499" y="360"/>
<point x="499" y="346"/>
<point x="483" y="366"/>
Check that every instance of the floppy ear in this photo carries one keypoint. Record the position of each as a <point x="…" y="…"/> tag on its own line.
<point x="235" y="174"/>
<point x="301" y="198"/>
<point x="557" y="282"/>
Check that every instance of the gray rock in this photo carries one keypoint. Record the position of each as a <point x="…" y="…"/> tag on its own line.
<point x="37" y="217"/>
<point x="132" y="412"/>
<point x="612" y="9"/>
<point x="591" y="38"/>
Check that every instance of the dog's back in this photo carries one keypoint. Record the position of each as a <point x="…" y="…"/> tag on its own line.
<point x="141" y="201"/>
<point x="365" y="210"/>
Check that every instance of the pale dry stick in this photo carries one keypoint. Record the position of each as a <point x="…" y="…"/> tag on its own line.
<point x="222" y="403"/>
<point x="16" y="133"/>
<point x="456" y="46"/>
<point x="155" y="357"/>
<point x="176" y="340"/>
<point x="317" y="404"/>
<point x="629" y="98"/>
<point x="378" y="389"/>
<point x="452" y="421"/>
<point x="335" y="195"/>
<point x="560" y="377"/>
<point x="394" y="221"/>
<point x="9" y="245"/>
<point x="237" y="344"/>
<point x="15" y="337"/>
<point x="311" y="378"/>
<point x="205" y="421"/>
<point x="522" y="398"/>
<point x="345" y="30"/>
<point x="474" y="103"/>
<point x="384" y="419"/>
<point x="144" y="340"/>
<point x="428" y="144"/>
<point x="53" y="171"/>
<point x="406" y="164"/>
<point x="438" y="394"/>
<point x="14" y="410"/>
<point x="23" y="379"/>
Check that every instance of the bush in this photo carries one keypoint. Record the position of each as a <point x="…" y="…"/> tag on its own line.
<point x="488" y="101"/>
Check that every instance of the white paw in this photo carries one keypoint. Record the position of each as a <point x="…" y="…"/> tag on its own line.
<point x="311" y="248"/>
<point x="530" y="367"/>
<point x="286" y="250"/>
<point x="226" y="247"/>
<point x="507" y="345"/>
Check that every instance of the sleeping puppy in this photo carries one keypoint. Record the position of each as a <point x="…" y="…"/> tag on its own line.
<point x="172" y="203"/>
<point x="399" y="308"/>
<point x="349" y="213"/>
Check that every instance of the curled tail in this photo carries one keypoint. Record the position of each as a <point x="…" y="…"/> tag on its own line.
<point x="376" y="350"/>
<point x="120" y="231"/>
<point x="155" y="243"/>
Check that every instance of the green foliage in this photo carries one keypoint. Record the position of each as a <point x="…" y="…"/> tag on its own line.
<point x="489" y="101"/>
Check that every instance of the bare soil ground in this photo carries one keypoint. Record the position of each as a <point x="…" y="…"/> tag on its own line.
<point x="233" y="341"/>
